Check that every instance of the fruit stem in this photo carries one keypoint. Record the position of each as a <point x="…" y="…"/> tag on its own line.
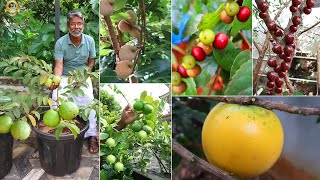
<point x="246" y="40"/>
<point x="215" y="80"/>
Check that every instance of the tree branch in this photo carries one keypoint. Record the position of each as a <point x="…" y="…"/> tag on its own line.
<point x="268" y="104"/>
<point x="200" y="162"/>
<point x="289" y="85"/>
<point x="112" y="35"/>
<point x="318" y="66"/>
<point x="305" y="30"/>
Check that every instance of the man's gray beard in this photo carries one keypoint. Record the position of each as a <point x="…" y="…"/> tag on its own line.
<point x="75" y="35"/>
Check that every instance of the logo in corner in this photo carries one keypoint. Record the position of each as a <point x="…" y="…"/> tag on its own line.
<point x="12" y="7"/>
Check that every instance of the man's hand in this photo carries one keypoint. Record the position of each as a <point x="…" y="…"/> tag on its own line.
<point x="53" y="86"/>
<point x="127" y="117"/>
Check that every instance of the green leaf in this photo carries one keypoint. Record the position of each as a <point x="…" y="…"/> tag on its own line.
<point x="4" y="99"/>
<point x="241" y="82"/>
<point x="17" y="74"/>
<point x="3" y="64"/>
<point x="209" y="21"/>
<point x="191" y="87"/>
<point x="37" y="114"/>
<point x="27" y="78"/>
<point x="16" y="112"/>
<point x="190" y="27"/>
<point x="153" y="67"/>
<point x="43" y="78"/>
<point x="74" y="129"/>
<point x="79" y="92"/>
<point x="9" y="69"/>
<point x="26" y="107"/>
<point x="143" y="95"/>
<point x="242" y="57"/>
<point x="59" y="131"/>
<point x="104" y="136"/>
<point x="226" y="57"/>
<point x="119" y="4"/>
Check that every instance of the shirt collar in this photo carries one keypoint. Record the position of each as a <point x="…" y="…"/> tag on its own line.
<point x="69" y="41"/>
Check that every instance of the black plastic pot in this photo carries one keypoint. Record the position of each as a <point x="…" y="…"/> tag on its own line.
<point x="6" y="145"/>
<point x="60" y="157"/>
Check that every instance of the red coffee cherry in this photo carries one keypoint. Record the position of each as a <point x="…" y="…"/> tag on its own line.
<point x="243" y="14"/>
<point x="220" y="41"/>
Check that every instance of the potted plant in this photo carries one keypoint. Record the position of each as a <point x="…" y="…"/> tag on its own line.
<point x="60" y="142"/>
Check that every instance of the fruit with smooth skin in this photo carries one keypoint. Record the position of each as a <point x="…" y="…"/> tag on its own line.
<point x="247" y="140"/>
<point x="194" y="72"/>
<point x="188" y="62"/>
<point x="270" y="84"/>
<point x="263" y="15"/>
<point x="5" y="124"/>
<point x="56" y="79"/>
<point x="142" y="134"/>
<point x="224" y="17"/>
<point x="127" y="52"/>
<point x="296" y="3"/>
<point x="48" y="83"/>
<point x="278" y="32"/>
<point x="118" y="167"/>
<point x="310" y="3"/>
<point x="277" y="48"/>
<point x="272" y="26"/>
<point x="272" y="62"/>
<point x="279" y="82"/>
<point x="293" y="9"/>
<point x="271" y="76"/>
<point x="68" y="110"/>
<point x="111" y="159"/>
<point x="206" y="48"/>
<point x="135" y="31"/>
<point x="263" y="6"/>
<point x="124" y="26"/>
<point x="307" y="10"/>
<point x="20" y="130"/>
<point x="198" y="53"/>
<point x="244" y="14"/>
<point x="282" y="55"/>
<point x="51" y="118"/>
<point x="288" y="50"/>
<point x="285" y="66"/>
<point x="207" y="36"/>
<point x="232" y="8"/>
<point x="110" y="142"/>
<point x="296" y="20"/>
<point x="147" y="129"/>
<point x="289" y="38"/>
<point x="106" y="7"/>
<point x="138" y="105"/>
<point x="282" y="74"/>
<point x="147" y="109"/>
<point x="133" y="17"/>
<point x="144" y="170"/>
<point x="182" y="71"/>
<point x="124" y="69"/>
<point x="287" y="59"/>
<point x="277" y="69"/>
<point x="136" y="127"/>
<point x="278" y="90"/>
<point x="179" y="89"/>
<point x="293" y="28"/>
<point x="220" y="41"/>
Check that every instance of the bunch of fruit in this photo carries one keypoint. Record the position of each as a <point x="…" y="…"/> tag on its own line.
<point x="19" y="129"/>
<point x="55" y="80"/>
<point x="284" y="51"/>
<point x="189" y="67"/>
<point x="67" y="110"/>
<point x="129" y="25"/>
<point x="118" y="166"/>
<point x="232" y="9"/>
<point x="142" y="128"/>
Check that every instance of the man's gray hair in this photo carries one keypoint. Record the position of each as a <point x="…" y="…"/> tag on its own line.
<point x="73" y="14"/>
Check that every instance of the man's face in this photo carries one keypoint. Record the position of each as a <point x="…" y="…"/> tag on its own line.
<point x="75" y="26"/>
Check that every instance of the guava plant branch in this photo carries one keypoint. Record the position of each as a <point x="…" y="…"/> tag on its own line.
<point x="159" y="161"/>
<point x="269" y="104"/>
<point x="262" y="53"/>
<point x="245" y="39"/>
<point x="183" y="152"/>
<point x="121" y="43"/>
<point x="215" y="80"/>
<point x="305" y="30"/>
<point x="112" y="35"/>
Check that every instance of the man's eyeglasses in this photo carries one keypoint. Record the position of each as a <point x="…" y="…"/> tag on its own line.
<point x="76" y="24"/>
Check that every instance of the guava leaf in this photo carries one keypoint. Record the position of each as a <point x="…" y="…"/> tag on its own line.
<point x="143" y="95"/>
<point x="241" y="82"/>
<point x="226" y="56"/>
<point x="242" y="57"/>
<point x="4" y="99"/>
<point x="59" y="131"/>
<point x="104" y="136"/>
<point x="74" y="129"/>
<point x="209" y="21"/>
<point x="237" y="25"/>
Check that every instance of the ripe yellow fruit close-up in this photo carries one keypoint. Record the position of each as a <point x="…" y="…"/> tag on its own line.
<point x="243" y="140"/>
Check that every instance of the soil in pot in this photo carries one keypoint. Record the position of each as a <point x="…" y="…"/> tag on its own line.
<point x="63" y="156"/>
<point x="6" y="145"/>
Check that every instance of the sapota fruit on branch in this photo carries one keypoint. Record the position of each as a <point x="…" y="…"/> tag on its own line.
<point x="106" y="7"/>
<point x="133" y="17"/>
<point x="124" y="68"/>
<point x="135" y="31"/>
<point x="127" y="52"/>
<point x="124" y="26"/>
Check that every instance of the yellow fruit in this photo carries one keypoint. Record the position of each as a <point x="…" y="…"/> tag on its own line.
<point x="48" y="83"/>
<point x="20" y="130"/>
<point x="123" y="69"/>
<point x="243" y="140"/>
<point x="56" y="79"/>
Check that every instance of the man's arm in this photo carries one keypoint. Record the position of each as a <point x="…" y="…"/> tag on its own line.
<point x="127" y="117"/>
<point x="90" y="63"/>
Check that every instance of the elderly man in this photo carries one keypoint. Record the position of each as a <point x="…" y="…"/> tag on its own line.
<point x="75" y="51"/>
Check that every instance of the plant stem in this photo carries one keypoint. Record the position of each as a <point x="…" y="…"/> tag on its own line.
<point x="215" y="80"/>
<point x="113" y="36"/>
